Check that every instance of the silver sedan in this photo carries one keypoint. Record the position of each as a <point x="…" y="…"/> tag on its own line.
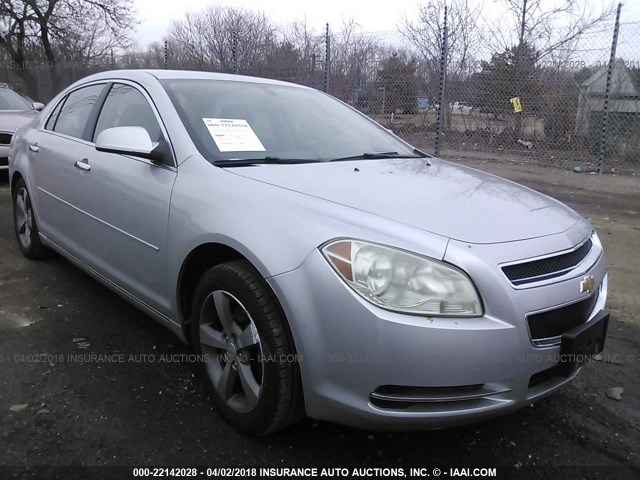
<point x="15" y="112"/>
<point x="317" y="263"/>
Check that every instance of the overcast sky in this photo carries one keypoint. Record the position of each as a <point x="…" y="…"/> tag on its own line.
<point x="156" y="15"/>
<point x="382" y="15"/>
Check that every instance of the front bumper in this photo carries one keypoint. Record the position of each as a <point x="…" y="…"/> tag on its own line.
<point x="4" y="157"/>
<point x="354" y="356"/>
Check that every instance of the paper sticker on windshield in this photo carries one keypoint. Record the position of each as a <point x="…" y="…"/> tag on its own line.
<point x="233" y="135"/>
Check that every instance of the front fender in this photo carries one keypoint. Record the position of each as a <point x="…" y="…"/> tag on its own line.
<point x="274" y="228"/>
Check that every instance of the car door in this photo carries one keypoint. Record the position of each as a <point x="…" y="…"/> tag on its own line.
<point x="53" y="152"/>
<point x="125" y="202"/>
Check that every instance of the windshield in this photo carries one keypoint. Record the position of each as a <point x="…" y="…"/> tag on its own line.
<point x="230" y="120"/>
<point x="10" y="100"/>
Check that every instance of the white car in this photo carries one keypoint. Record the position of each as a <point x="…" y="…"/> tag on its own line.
<point x="15" y="112"/>
<point x="461" y="108"/>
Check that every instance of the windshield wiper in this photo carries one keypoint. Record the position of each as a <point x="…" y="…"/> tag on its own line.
<point x="420" y="153"/>
<point x="271" y="160"/>
<point x="268" y="160"/>
<point x="380" y="155"/>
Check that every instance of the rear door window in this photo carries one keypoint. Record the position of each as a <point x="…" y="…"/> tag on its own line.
<point x="76" y="111"/>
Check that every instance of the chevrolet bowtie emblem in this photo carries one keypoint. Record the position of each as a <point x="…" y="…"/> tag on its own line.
<point x="588" y="284"/>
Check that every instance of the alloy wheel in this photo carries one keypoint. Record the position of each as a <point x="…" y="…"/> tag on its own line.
<point x="234" y="359"/>
<point x="23" y="217"/>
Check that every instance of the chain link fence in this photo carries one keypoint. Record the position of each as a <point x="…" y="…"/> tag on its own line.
<point x="575" y="107"/>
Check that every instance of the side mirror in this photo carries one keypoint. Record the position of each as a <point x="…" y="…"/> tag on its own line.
<point x="133" y="141"/>
<point x="38" y="106"/>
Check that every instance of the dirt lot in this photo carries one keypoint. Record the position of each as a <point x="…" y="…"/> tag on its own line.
<point x="153" y="413"/>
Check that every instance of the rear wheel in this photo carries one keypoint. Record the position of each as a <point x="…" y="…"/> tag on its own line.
<point x="249" y="358"/>
<point x="24" y="222"/>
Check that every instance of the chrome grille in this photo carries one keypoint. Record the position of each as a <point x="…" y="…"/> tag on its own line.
<point x="550" y="267"/>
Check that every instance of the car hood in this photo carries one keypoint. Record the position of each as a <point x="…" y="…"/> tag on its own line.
<point x="443" y="198"/>
<point x="11" y="120"/>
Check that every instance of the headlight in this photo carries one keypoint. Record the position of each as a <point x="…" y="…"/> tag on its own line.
<point x="403" y="282"/>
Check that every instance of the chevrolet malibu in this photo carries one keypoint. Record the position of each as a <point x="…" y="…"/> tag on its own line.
<point x="317" y="263"/>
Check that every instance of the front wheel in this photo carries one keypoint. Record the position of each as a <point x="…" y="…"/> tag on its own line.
<point x="249" y="360"/>
<point x="24" y="222"/>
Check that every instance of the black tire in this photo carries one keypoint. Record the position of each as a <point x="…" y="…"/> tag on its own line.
<point x="279" y="403"/>
<point x="24" y="223"/>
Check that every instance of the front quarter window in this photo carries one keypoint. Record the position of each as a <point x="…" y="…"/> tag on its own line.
<point x="51" y="121"/>
<point x="125" y="106"/>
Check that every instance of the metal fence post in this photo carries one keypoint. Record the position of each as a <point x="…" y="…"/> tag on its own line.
<point x="234" y="52"/>
<point x="166" y="55"/>
<point x="327" y="59"/>
<point x="5" y="66"/>
<point x="73" y="70"/>
<point x="312" y="71"/>
<point x="443" y="75"/>
<point x="37" y="93"/>
<point x="607" y="93"/>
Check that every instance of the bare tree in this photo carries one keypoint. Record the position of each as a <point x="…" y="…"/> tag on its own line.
<point x="152" y="56"/>
<point x="425" y="32"/>
<point x="51" y="29"/>
<point x="544" y="29"/>
<point x="354" y="59"/>
<point x="306" y="40"/>
<point x="309" y="43"/>
<point x="549" y="28"/>
<point x="208" y="39"/>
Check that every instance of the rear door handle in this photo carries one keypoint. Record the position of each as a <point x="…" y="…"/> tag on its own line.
<point x="34" y="148"/>
<point x="83" y="164"/>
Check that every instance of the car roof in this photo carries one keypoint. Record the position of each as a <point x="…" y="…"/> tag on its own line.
<point x="143" y="75"/>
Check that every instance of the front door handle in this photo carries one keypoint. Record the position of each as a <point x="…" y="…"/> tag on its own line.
<point x="83" y="164"/>
<point x="34" y="148"/>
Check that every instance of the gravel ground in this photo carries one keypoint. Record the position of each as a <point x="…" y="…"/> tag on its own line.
<point x="58" y="407"/>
